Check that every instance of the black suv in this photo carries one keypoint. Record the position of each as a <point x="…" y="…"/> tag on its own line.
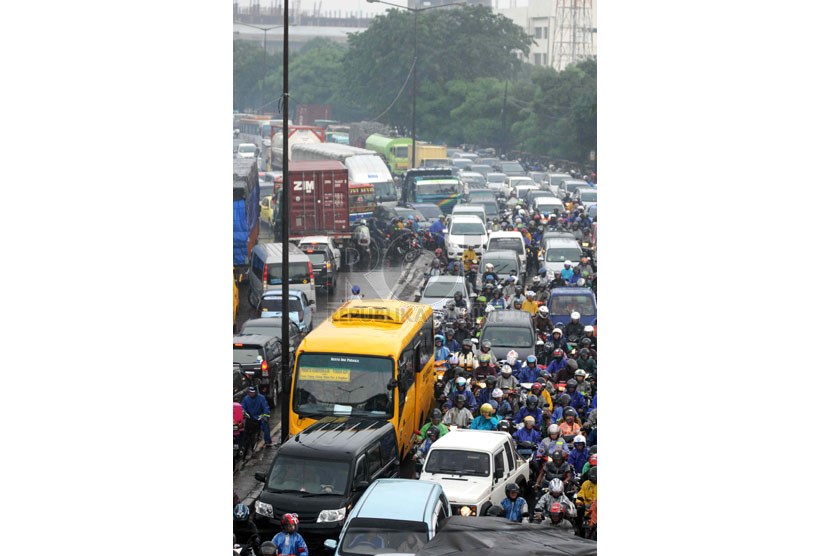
<point x="323" y="264"/>
<point x="320" y="473"/>
<point x="508" y="330"/>
<point x="260" y="358"/>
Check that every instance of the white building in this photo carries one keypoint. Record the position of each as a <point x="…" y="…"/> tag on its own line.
<point x="564" y="31"/>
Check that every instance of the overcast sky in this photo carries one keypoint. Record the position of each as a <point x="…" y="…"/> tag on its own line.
<point x="356" y="5"/>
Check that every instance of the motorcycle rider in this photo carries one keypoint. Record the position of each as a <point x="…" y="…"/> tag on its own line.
<point x="458" y="415"/>
<point x="485" y="367"/>
<point x="555" y="493"/>
<point x="588" y="332"/>
<point x="538" y="390"/>
<point x="256" y="406"/>
<point x="460" y="302"/>
<point x="556" y="514"/>
<point x="569" y="425"/>
<point x="552" y="443"/>
<point x="289" y="540"/>
<point x="557" y="362"/>
<point x="577" y="399"/>
<point x="542" y="320"/>
<point x="489" y="274"/>
<point x="528" y="304"/>
<point x="243" y="528"/>
<point x="526" y="432"/>
<point x="452" y="344"/>
<point x="435" y="420"/>
<point x="485" y="394"/>
<point x="582" y="385"/>
<point x="498" y="301"/>
<point x="514" y="506"/>
<point x="530" y="371"/>
<point x="567" y="372"/>
<point x="461" y="391"/>
<point x="558" y="339"/>
<point x="573" y="330"/>
<point x="466" y="357"/>
<point x="567" y="273"/>
<point x="485" y="421"/>
<point x="517" y="302"/>
<point x="578" y="457"/>
<point x="432" y="434"/>
<point x="442" y="352"/>
<point x="506" y="380"/>
<point x="501" y="406"/>
<point x="584" y="266"/>
<point x="558" y="281"/>
<point x="531" y="409"/>
<point x="513" y="360"/>
<point x="509" y="289"/>
<point x="585" y="343"/>
<point x="588" y="491"/>
<point x="586" y="362"/>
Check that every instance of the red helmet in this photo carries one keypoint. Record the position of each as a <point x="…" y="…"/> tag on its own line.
<point x="439" y="252"/>
<point x="558" y="352"/>
<point x="556" y="508"/>
<point x="290" y="519"/>
<point x="536" y="388"/>
<point x="592" y="460"/>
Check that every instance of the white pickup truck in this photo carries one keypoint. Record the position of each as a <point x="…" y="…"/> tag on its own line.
<point x="473" y="467"/>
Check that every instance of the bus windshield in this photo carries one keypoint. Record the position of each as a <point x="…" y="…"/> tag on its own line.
<point x="338" y="384"/>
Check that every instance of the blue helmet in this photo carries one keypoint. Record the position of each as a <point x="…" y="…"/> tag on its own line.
<point x="355" y="289"/>
<point x="531" y="359"/>
<point x="241" y="512"/>
<point x="440" y="337"/>
<point x="543" y="271"/>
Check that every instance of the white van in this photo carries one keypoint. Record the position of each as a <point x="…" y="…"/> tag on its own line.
<point x="265" y="272"/>
<point x="509" y="240"/>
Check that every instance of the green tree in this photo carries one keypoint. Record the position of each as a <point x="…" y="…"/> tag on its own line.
<point x="314" y="72"/>
<point x="257" y="79"/>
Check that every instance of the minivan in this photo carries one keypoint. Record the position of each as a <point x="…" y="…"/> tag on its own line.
<point x="266" y="272"/>
<point x="473" y="209"/>
<point x="558" y="250"/>
<point x="320" y="473"/>
<point x="379" y="518"/>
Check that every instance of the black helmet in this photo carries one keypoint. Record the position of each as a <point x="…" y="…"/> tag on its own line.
<point x="571" y="383"/>
<point x="433" y="431"/>
<point x="503" y="426"/>
<point x="490" y="381"/>
<point x="593" y="449"/>
<point x="511" y="487"/>
<point x="584" y="351"/>
<point x="569" y="412"/>
<point x="557" y="456"/>
<point x="549" y="346"/>
<point x="585" y="341"/>
<point x="532" y="402"/>
<point x="572" y="364"/>
<point x="565" y="400"/>
<point x="268" y="548"/>
<point x="592" y="474"/>
<point x="436" y="413"/>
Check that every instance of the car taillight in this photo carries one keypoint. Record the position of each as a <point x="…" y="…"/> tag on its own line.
<point x="310" y="273"/>
<point x="264" y="368"/>
<point x="302" y="315"/>
<point x="265" y="275"/>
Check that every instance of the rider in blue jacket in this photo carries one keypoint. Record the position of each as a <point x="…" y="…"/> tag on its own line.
<point x="255" y="405"/>
<point x="529" y="372"/>
<point x="289" y="540"/>
<point x="527" y="433"/>
<point x="557" y="362"/>
<point x="461" y="390"/>
<point x="442" y="352"/>
<point x="532" y="409"/>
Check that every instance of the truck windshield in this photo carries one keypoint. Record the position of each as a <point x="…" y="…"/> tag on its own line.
<point x="567" y="304"/>
<point x="309" y="475"/>
<point x="385" y="191"/>
<point x="437" y="188"/>
<point x="458" y="462"/>
<point x="368" y="536"/>
<point x="340" y="384"/>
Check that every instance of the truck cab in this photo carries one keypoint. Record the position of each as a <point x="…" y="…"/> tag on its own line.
<point x="473" y="467"/>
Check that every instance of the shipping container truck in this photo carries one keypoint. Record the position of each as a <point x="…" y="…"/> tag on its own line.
<point x="245" y="212"/>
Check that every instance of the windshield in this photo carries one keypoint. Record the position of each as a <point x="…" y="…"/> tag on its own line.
<point x="562" y="254"/>
<point x="460" y="163"/>
<point x="429" y="211"/>
<point x="567" y="304"/>
<point x="400" y="152"/>
<point x="316" y="257"/>
<point x="501" y="266"/>
<point x="475" y="180"/>
<point x="308" y="475"/>
<point x="437" y="188"/>
<point x="481" y="197"/>
<point x="247" y="355"/>
<point x="271" y="304"/>
<point x="511" y="167"/>
<point x="467" y="229"/>
<point x="514" y="244"/>
<point x="297" y="273"/>
<point x="385" y="191"/>
<point x="368" y="536"/>
<point x="335" y="384"/>
<point x="508" y="336"/>
<point x="458" y="462"/>
<point x="553" y="207"/>
<point x="442" y="289"/>
<point x="589" y="196"/>
<point x="523" y="181"/>
<point x="274" y="331"/>
<point x="496" y="178"/>
<point x="247" y="148"/>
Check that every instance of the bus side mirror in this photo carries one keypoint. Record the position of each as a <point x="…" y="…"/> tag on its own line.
<point x="391" y="384"/>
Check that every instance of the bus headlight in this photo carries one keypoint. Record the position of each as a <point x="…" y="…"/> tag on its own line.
<point x="328" y="516"/>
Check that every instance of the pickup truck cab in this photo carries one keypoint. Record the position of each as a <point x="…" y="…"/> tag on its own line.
<point x="473" y="467"/>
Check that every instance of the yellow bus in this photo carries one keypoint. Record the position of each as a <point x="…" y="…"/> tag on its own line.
<point x="371" y="358"/>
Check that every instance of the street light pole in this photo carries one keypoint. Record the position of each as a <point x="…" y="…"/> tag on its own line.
<point x="415" y="11"/>
<point x="264" y="56"/>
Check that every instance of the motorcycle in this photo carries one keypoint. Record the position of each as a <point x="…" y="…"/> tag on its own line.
<point x="238" y="433"/>
<point x="253" y="433"/>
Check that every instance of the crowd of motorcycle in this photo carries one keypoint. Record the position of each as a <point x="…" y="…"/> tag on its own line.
<point x="547" y="401"/>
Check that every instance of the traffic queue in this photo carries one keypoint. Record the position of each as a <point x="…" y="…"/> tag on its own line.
<point x="515" y="353"/>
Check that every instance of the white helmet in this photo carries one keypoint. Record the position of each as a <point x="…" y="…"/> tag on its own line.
<point x="489" y="308"/>
<point x="556" y="487"/>
<point x="497" y="393"/>
<point x="575" y="315"/>
<point x="553" y="429"/>
<point x="567" y="263"/>
<point x="522" y="212"/>
<point x="555" y="330"/>
<point x="507" y="370"/>
<point x="580" y="282"/>
<point x="489" y="266"/>
<point x="454" y="359"/>
<point x="512" y="356"/>
<point x="462" y="312"/>
<point x="530" y="293"/>
<point x="543" y="311"/>
<point x="589" y="328"/>
<point x="579" y="439"/>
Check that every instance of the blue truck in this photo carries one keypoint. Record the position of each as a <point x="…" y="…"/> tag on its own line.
<point x="564" y="301"/>
<point x="245" y="213"/>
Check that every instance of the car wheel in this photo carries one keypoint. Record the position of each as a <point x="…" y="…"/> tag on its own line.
<point x="252" y="300"/>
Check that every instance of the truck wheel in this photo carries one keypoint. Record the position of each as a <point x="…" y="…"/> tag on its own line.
<point x="484" y="507"/>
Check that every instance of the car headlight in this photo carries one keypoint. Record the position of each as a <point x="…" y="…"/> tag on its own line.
<point x="264" y="509"/>
<point x="328" y="516"/>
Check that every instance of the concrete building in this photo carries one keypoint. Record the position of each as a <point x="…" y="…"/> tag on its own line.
<point x="564" y="31"/>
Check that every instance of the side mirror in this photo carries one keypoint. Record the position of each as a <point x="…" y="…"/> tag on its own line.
<point x="391" y="384"/>
<point x="330" y="544"/>
<point x="260" y="477"/>
<point x="498" y="474"/>
<point x="312" y="302"/>
<point x="361" y="485"/>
